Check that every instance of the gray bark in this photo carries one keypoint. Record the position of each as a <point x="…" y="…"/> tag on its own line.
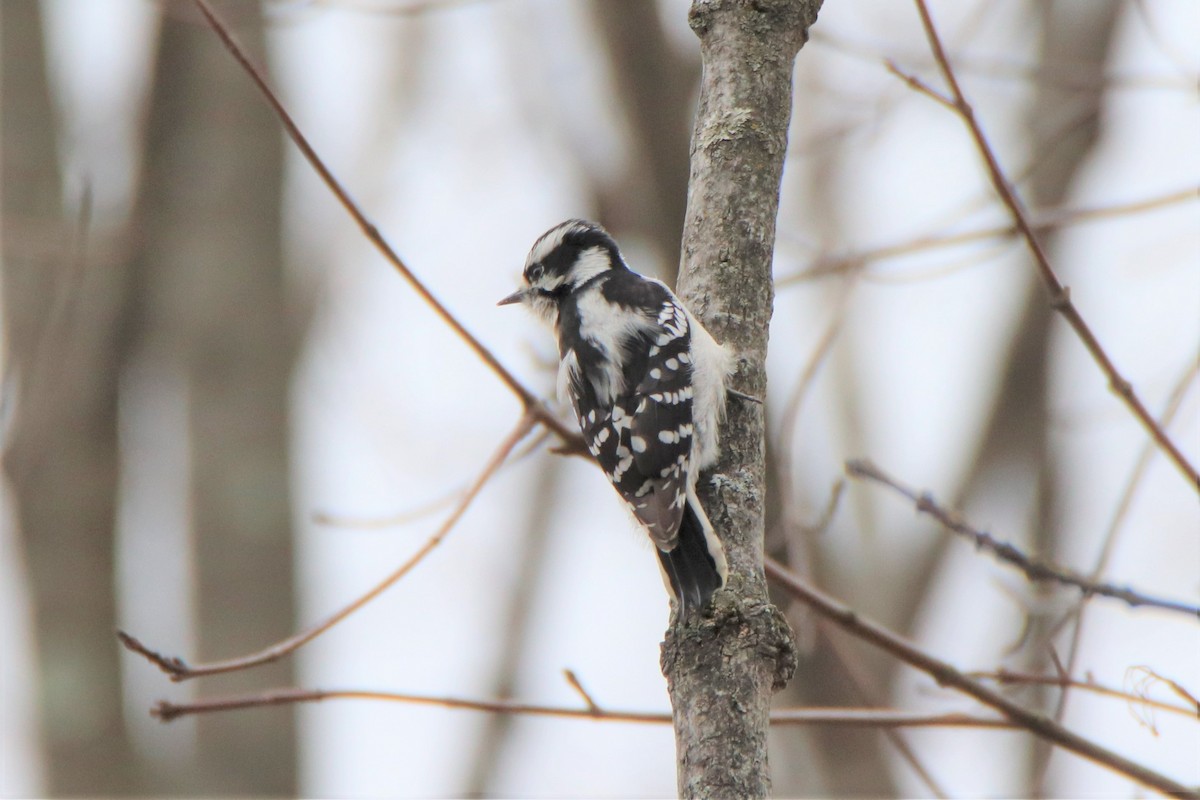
<point x="723" y="668"/>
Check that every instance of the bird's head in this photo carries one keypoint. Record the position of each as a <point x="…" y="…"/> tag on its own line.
<point x="562" y="260"/>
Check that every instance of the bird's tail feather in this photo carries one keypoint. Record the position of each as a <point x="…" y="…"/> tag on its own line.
<point x="695" y="568"/>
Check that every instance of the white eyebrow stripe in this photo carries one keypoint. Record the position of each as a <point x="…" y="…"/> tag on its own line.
<point x="552" y="239"/>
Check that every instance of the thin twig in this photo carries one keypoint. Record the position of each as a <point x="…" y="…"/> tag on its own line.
<point x="1060" y="295"/>
<point x="851" y="717"/>
<point x="867" y="691"/>
<point x="795" y="401"/>
<point x="1042" y="149"/>
<point x="573" y="679"/>
<point x="818" y="527"/>
<point x="371" y="232"/>
<point x="427" y="508"/>
<point x="1152" y="677"/>
<point x="179" y="670"/>
<point x="1076" y="614"/>
<point x="919" y="85"/>
<point x="518" y="610"/>
<point x="1034" y="569"/>
<point x="1174" y="402"/>
<point x="1051" y="219"/>
<point x="947" y="675"/>
<point x="1008" y="677"/>
<point x="1065" y="74"/>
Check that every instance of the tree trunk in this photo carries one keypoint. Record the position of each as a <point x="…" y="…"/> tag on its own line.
<point x="61" y="323"/>
<point x="723" y="668"/>
<point x="212" y="260"/>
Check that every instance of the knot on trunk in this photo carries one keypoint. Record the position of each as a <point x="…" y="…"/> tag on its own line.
<point x="730" y="632"/>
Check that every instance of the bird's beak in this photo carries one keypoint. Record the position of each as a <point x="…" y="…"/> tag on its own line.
<point x="516" y="297"/>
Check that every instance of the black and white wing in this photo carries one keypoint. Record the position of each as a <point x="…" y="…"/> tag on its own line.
<point x="643" y="441"/>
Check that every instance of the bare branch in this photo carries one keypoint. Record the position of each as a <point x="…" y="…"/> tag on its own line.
<point x="947" y="675"/>
<point x="1060" y="295"/>
<point x="1064" y="74"/>
<point x="1034" y="569"/>
<point x="1150" y="677"/>
<point x="429" y="507"/>
<point x="1018" y="678"/>
<point x="919" y="85"/>
<point x="808" y="374"/>
<point x="167" y="711"/>
<point x="1174" y="401"/>
<point x="868" y="690"/>
<point x="573" y="679"/>
<point x="1075" y="615"/>
<point x="1049" y="220"/>
<point x="852" y="717"/>
<point x="371" y="232"/>
<point x="179" y="670"/>
<point x="535" y="411"/>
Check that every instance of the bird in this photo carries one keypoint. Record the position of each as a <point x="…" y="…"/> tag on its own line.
<point x="648" y="386"/>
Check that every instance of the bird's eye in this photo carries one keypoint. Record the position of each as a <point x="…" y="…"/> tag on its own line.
<point x="535" y="272"/>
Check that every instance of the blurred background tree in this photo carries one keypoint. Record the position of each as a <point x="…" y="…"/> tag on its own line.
<point x="198" y="300"/>
<point x="204" y="360"/>
<point x="209" y="259"/>
<point x="63" y="326"/>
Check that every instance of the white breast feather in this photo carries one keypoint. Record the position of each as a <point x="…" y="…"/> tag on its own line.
<point x="607" y="326"/>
